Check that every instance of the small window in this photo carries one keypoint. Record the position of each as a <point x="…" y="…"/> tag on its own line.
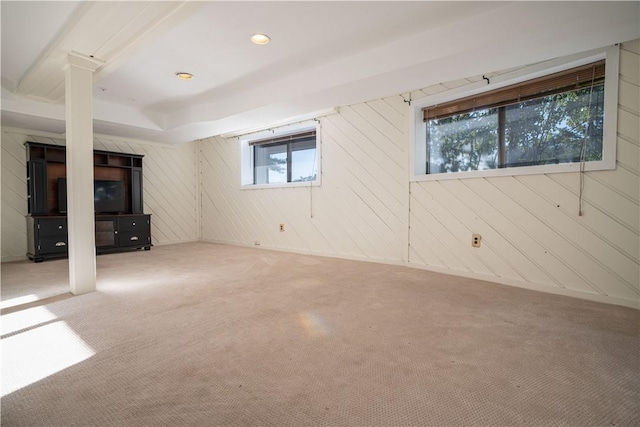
<point x="554" y="119"/>
<point x="284" y="158"/>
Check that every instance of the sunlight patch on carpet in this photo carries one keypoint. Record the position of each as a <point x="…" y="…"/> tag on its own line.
<point x="34" y="354"/>
<point x="25" y="319"/>
<point x="18" y="301"/>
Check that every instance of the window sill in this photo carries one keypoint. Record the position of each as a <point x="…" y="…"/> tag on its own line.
<point x="516" y="171"/>
<point x="306" y="184"/>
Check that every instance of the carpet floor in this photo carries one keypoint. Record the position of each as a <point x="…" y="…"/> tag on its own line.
<point x="201" y="334"/>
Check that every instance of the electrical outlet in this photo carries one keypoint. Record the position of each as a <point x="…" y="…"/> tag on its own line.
<point x="281" y="227"/>
<point x="475" y="240"/>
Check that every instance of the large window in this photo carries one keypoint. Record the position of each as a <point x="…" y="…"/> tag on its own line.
<point x="544" y="124"/>
<point x="554" y="119"/>
<point x="280" y="157"/>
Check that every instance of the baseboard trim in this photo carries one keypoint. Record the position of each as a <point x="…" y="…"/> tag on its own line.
<point x="531" y="286"/>
<point x="313" y="253"/>
<point x="173" y="242"/>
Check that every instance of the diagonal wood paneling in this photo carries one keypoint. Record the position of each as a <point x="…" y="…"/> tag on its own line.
<point x="532" y="234"/>
<point x="14" y="198"/>
<point x="170" y="188"/>
<point x="358" y="212"/>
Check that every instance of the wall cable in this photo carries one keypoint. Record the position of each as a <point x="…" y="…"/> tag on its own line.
<point x="314" y="168"/>
<point x="583" y="149"/>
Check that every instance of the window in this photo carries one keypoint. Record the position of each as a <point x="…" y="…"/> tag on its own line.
<point x="550" y="120"/>
<point x="544" y="124"/>
<point x="289" y="158"/>
<point x="283" y="158"/>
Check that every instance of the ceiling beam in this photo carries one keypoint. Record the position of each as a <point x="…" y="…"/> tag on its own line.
<point x="111" y="31"/>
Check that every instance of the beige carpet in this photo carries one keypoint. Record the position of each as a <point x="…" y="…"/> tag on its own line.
<point x="22" y="281"/>
<point x="201" y="334"/>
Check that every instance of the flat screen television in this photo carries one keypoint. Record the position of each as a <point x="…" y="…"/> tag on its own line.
<point x="108" y="196"/>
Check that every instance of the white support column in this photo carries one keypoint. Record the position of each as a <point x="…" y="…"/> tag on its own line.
<point x="79" y="135"/>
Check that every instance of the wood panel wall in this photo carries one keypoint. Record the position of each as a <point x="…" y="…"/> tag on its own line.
<point x="357" y="212"/>
<point x="170" y="188"/>
<point x="532" y="235"/>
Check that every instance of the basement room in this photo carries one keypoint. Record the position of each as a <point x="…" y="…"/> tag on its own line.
<point x="320" y="213"/>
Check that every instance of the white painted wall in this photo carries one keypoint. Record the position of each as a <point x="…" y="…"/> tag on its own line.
<point x="358" y="212"/>
<point x="170" y="187"/>
<point x="532" y="234"/>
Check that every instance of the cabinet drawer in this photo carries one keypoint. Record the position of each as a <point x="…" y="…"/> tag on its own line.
<point x="132" y="223"/>
<point x="133" y="238"/>
<point x="53" y="227"/>
<point x="53" y="244"/>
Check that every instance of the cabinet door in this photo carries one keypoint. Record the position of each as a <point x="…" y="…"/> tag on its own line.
<point x="51" y="236"/>
<point x="105" y="233"/>
<point x="31" y="237"/>
<point x="37" y="186"/>
<point x="52" y="227"/>
<point x="136" y="190"/>
<point x="134" y="231"/>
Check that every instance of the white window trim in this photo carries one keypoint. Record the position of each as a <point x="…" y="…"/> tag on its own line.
<point x="246" y="155"/>
<point x="417" y="130"/>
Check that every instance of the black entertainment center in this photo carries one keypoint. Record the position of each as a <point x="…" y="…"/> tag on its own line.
<point x="120" y="223"/>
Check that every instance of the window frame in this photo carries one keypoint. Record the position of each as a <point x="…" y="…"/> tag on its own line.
<point x="417" y="127"/>
<point x="247" y="153"/>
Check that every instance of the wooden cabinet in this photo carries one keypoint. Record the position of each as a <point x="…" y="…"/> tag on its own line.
<point x="120" y="225"/>
<point x="134" y="231"/>
<point x="47" y="237"/>
<point x="114" y="233"/>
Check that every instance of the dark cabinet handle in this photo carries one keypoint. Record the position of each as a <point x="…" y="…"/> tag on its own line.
<point x="60" y="244"/>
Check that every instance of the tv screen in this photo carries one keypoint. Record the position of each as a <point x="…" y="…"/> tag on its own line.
<point x="108" y="196"/>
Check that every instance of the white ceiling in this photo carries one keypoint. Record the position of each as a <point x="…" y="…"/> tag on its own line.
<point x="322" y="55"/>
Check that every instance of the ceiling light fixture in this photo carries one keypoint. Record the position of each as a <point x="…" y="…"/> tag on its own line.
<point x="184" y="76"/>
<point x="260" y="39"/>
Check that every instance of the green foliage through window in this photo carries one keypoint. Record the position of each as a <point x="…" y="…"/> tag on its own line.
<point x="552" y="128"/>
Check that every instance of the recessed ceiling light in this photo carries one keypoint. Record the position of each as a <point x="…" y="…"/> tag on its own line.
<point x="184" y="76"/>
<point x="260" y="39"/>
